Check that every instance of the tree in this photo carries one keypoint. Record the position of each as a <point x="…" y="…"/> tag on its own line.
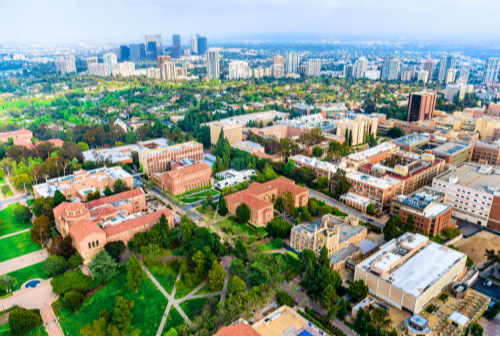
<point x="97" y="329"/>
<point x="307" y="256"/>
<point x="409" y="226"/>
<point x="104" y="267"/>
<point x="135" y="273"/>
<point x="343" y="308"/>
<point x="186" y="229"/>
<point x="241" y="251"/>
<point x="120" y="186"/>
<point x="74" y="261"/>
<point x="73" y="300"/>
<point x="277" y="243"/>
<point x="83" y="146"/>
<point x="259" y="274"/>
<point x="362" y="322"/>
<point x="328" y="276"/>
<point x="289" y="167"/>
<point x="284" y="298"/>
<point x="323" y="260"/>
<point x="370" y="209"/>
<point x="199" y="261"/>
<point x="216" y="275"/>
<point x="40" y="232"/>
<point x="342" y="184"/>
<point x="476" y="329"/>
<point x="61" y="246"/>
<point x="107" y="191"/>
<point x="380" y="319"/>
<point x="329" y="301"/>
<point x="22" y="213"/>
<point x="122" y="315"/>
<point x="279" y="228"/>
<point x="44" y="206"/>
<point x="151" y="252"/>
<point x="7" y="282"/>
<point x="323" y="183"/>
<point x="55" y="265"/>
<point x="115" y="249"/>
<point x="21" y="321"/>
<point x="131" y="138"/>
<point x="22" y="182"/>
<point x="243" y="213"/>
<point x="390" y="230"/>
<point x="70" y="150"/>
<point x="58" y="198"/>
<point x="71" y="280"/>
<point x="222" y="206"/>
<point x="357" y="290"/>
<point x="317" y="151"/>
<point x="171" y="332"/>
<point x="394" y="132"/>
<point x="209" y="200"/>
<point x="238" y="268"/>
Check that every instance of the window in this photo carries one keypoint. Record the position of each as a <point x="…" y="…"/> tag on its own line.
<point x="90" y="246"/>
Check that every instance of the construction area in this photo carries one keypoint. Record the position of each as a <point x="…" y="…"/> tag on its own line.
<point x="475" y="246"/>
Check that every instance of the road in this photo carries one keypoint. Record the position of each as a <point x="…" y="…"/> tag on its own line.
<point x="343" y="208"/>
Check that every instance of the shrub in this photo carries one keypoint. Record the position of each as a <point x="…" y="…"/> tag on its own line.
<point x="21" y="321"/>
<point x="284" y="298"/>
<point x="73" y="300"/>
<point x="278" y="243"/>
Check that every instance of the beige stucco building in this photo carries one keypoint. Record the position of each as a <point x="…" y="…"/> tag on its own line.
<point x="357" y="128"/>
<point x="233" y="131"/>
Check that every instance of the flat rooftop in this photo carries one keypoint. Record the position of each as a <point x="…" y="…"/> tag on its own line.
<point x="244" y="119"/>
<point x="485" y="179"/>
<point x="283" y="322"/>
<point x="419" y="271"/>
<point x="362" y="155"/>
<point x="411" y="139"/>
<point x="314" y="162"/>
<point x="450" y="148"/>
<point x="382" y="183"/>
<point x="122" y="153"/>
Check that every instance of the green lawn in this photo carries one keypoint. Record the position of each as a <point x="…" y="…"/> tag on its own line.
<point x="150" y="305"/>
<point x="9" y="222"/>
<point x="270" y="246"/>
<point x="2" y="181"/>
<point x="183" y="289"/>
<point x="26" y="274"/>
<point x="207" y="290"/>
<point x="38" y="331"/>
<point x="292" y="266"/>
<point x="174" y="319"/>
<point x="198" y="196"/>
<point x="164" y="275"/>
<point x="17" y="245"/>
<point x="246" y="228"/>
<point x="194" y="307"/>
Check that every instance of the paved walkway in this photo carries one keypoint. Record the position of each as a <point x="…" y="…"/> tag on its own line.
<point x="50" y="321"/>
<point x="31" y="298"/>
<point x="15" y="233"/>
<point x="23" y="261"/>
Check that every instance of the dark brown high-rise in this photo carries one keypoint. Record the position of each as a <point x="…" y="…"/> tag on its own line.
<point x="421" y="106"/>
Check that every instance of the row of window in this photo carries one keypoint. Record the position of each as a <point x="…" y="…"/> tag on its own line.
<point x="93" y="244"/>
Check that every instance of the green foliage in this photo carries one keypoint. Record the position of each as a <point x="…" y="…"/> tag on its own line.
<point x="391" y="230"/>
<point x="55" y="265"/>
<point x="122" y="315"/>
<point x="7" y="283"/>
<point x="58" y="198"/>
<point x="120" y="186"/>
<point x="135" y="273"/>
<point x="73" y="300"/>
<point x="44" y="206"/>
<point x="259" y="274"/>
<point x="450" y="233"/>
<point x="40" y="232"/>
<point x="284" y="298"/>
<point x="238" y="268"/>
<point x="277" y="243"/>
<point x="476" y="329"/>
<point x="243" y="213"/>
<point x="323" y="260"/>
<point x="71" y="280"/>
<point x="115" y="249"/>
<point x="241" y="251"/>
<point x="22" y="213"/>
<point x="103" y="267"/>
<point x="74" y="261"/>
<point x="83" y="146"/>
<point x="370" y="209"/>
<point x="317" y="151"/>
<point x="395" y="132"/>
<point x="21" y="321"/>
<point x="289" y="167"/>
<point x="342" y="184"/>
<point x="216" y="275"/>
<point x="329" y="301"/>
<point x="222" y="206"/>
<point x="357" y="290"/>
<point x="279" y="228"/>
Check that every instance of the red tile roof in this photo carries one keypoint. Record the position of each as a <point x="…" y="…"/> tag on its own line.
<point x="60" y="209"/>
<point x="83" y="229"/>
<point x="137" y="222"/>
<point x="114" y="198"/>
<point x="240" y="329"/>
<point x="103" y="211"/>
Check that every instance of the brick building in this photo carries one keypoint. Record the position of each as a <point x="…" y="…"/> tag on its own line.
<point x="76" y="186"/>
<point x="428" y="207"/>
<point x="486" y="153"/>
<point x="260" y="198"/>
<point x="370" y="156"/>
<point x="184" y="179"/>
<point x="494" y="110"/>
<point x="421" y="106"/>
<point x="159" y="160"/>
<point x="20" y="137"/>
<point x="114" y="218"/>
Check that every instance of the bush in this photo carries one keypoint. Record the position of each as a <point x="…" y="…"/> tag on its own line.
<point x="21" y="321"/>
<point x="284" y="299"/>
<point x="71" y="280"/>
<point x="277" y="243"/>
<point x="73" y="300"/>
<point x="55" y="265"/>
<point x="74" y="261"/>
<point x="279" y="228"/>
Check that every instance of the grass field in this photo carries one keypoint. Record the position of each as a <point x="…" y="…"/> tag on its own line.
<point x="18" y="245"/>
<point x="183" y="289"/>
<point x="164" y="275"/>
<point x="2" y="181"/>
<point x="270" y="246"/>
<point x="246" y="228"/>
<point x="150" y="305"/>
<point x="198" y="196"/>
<point x="9" y="222"/>
<point x="194" y="307"/>
<point x="38" y="331"/>
<point x="26" y="274"/>
<point x="207" y="290"/>
<point x="173" y="319"/>
<point x="292" y="265"/>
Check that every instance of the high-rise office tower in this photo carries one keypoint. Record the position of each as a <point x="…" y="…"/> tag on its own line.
<point x="423" y="76"/>
<point x="361" y="66"/>
<point x="194" y="44"/>
<point x="450" y="76"/>
<point x="65" y="66"/>
<point x="491" y="73"/>
<point x="99" y="69"/>
<point x="92" y="60"/>
<point x="447" y="62"/>
<point x="278" y="68"/>
<point x="393" y="69"/>
<point x="421" y="106"/>
<point x="151" y="50"/>
<point x="118" y="53"/>
<point x="238" y="69"/>
<point x="110" y="59"/>
<point x="292" y="62"/>
<point x="213" y="64"/>
<point x="313" y="68"/>
<point x="202" y="45"/>
<point x="157" y="40"/>
<point x="168" y="71"/>
<point x="348" y="70"/>
<point x="137" y="51"/>
<point x="162" y="59"/>
<point x="125" y="53"/>
<point x="464" y="73"/>
<point x="385" y="69"/>
<point x="176" y="51"/>
<point x="429" y="67"/>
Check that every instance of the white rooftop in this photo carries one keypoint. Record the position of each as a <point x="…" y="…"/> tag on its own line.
<point x="459" y="318"/>
<point x="122" y="153"/>
<point x="382" y="183"/>
<point x="317" y="163"/>
<point x="363" y="155"/>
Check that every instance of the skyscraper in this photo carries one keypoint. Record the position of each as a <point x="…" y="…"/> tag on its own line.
<point x="421" y="106"/>
<point x="137" y="51"/>
<point x="491" y="73"/>
<point x="447" y="62"/>
<point x="278" y="68"/>
<point x="313" y="68"/>
<point x="194" y="44"/>
<point x="176" y="51"/>
<point x="202" y="45"/>
<point x="157" y="40"/>
<point x="92" y="60"/>
<point x="393" y="70"/>
<point x="238" y="69"/>
<point x="292" y="62"/>
<point x="66" y="66"/>
<point x="162" y="59"/>
<point x="110" y="59"/>
<point x="464" y="73"/>
<point x="124" y="53"/>
<point x="213" y="64"/>
<point x="348" y="70"/>
<point x="168" y="71"/>
<point x="151" y="50"/>
<point x="429" y="67"/>
<point x="385" y="69"/>
<point x="361" y="65"/>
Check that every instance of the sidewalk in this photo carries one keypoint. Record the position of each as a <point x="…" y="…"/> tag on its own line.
<point x="23" y="261"/>
<point x="50" y="321"/>
<point x="31" y="298"/>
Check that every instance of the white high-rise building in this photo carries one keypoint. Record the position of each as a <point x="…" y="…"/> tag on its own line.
<point x="348" y="70"/>
<point x="450" y="76"/>
<point x="99" y="69"/>
<point x="464" y="73"/>
<point x="157" y="40"/>
<point x="153" y="72"/>
<point x="361" y="66"/>
<point x="491" y="73"/>
<point x="168" y="71"/>
<point x="422" y="75"/>
<point x="123" y="69"/>
<point x="292" y="62"/>
<point x="393" y="69"/>
<point x="313" y="68"/>
<point x="194" y="44"/>
<point x="447" y="62"/>
<point x="453" y="90"/>
<point x="213" y="71"/>
<point x="66" y="66"/>
<point x="238" y="69"/>
<point x="91" y="60"/>
<point x="372" y="74"/>
<point x="110" y="59"/>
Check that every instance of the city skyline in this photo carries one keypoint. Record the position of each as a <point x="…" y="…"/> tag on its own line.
<point x="385" y="18"/>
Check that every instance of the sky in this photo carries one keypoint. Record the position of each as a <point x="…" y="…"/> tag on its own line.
<point x="131" y="19"/>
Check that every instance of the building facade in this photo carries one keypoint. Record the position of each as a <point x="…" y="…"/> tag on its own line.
<point x="421" y="106"/>
<point x="184" y="179"/>
<point x="213" y="71"/>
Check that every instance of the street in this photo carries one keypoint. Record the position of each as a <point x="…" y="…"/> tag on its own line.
<point x="343" y="208"/>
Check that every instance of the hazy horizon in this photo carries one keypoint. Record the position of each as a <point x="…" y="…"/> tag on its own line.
<point x="131" y="19"/>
